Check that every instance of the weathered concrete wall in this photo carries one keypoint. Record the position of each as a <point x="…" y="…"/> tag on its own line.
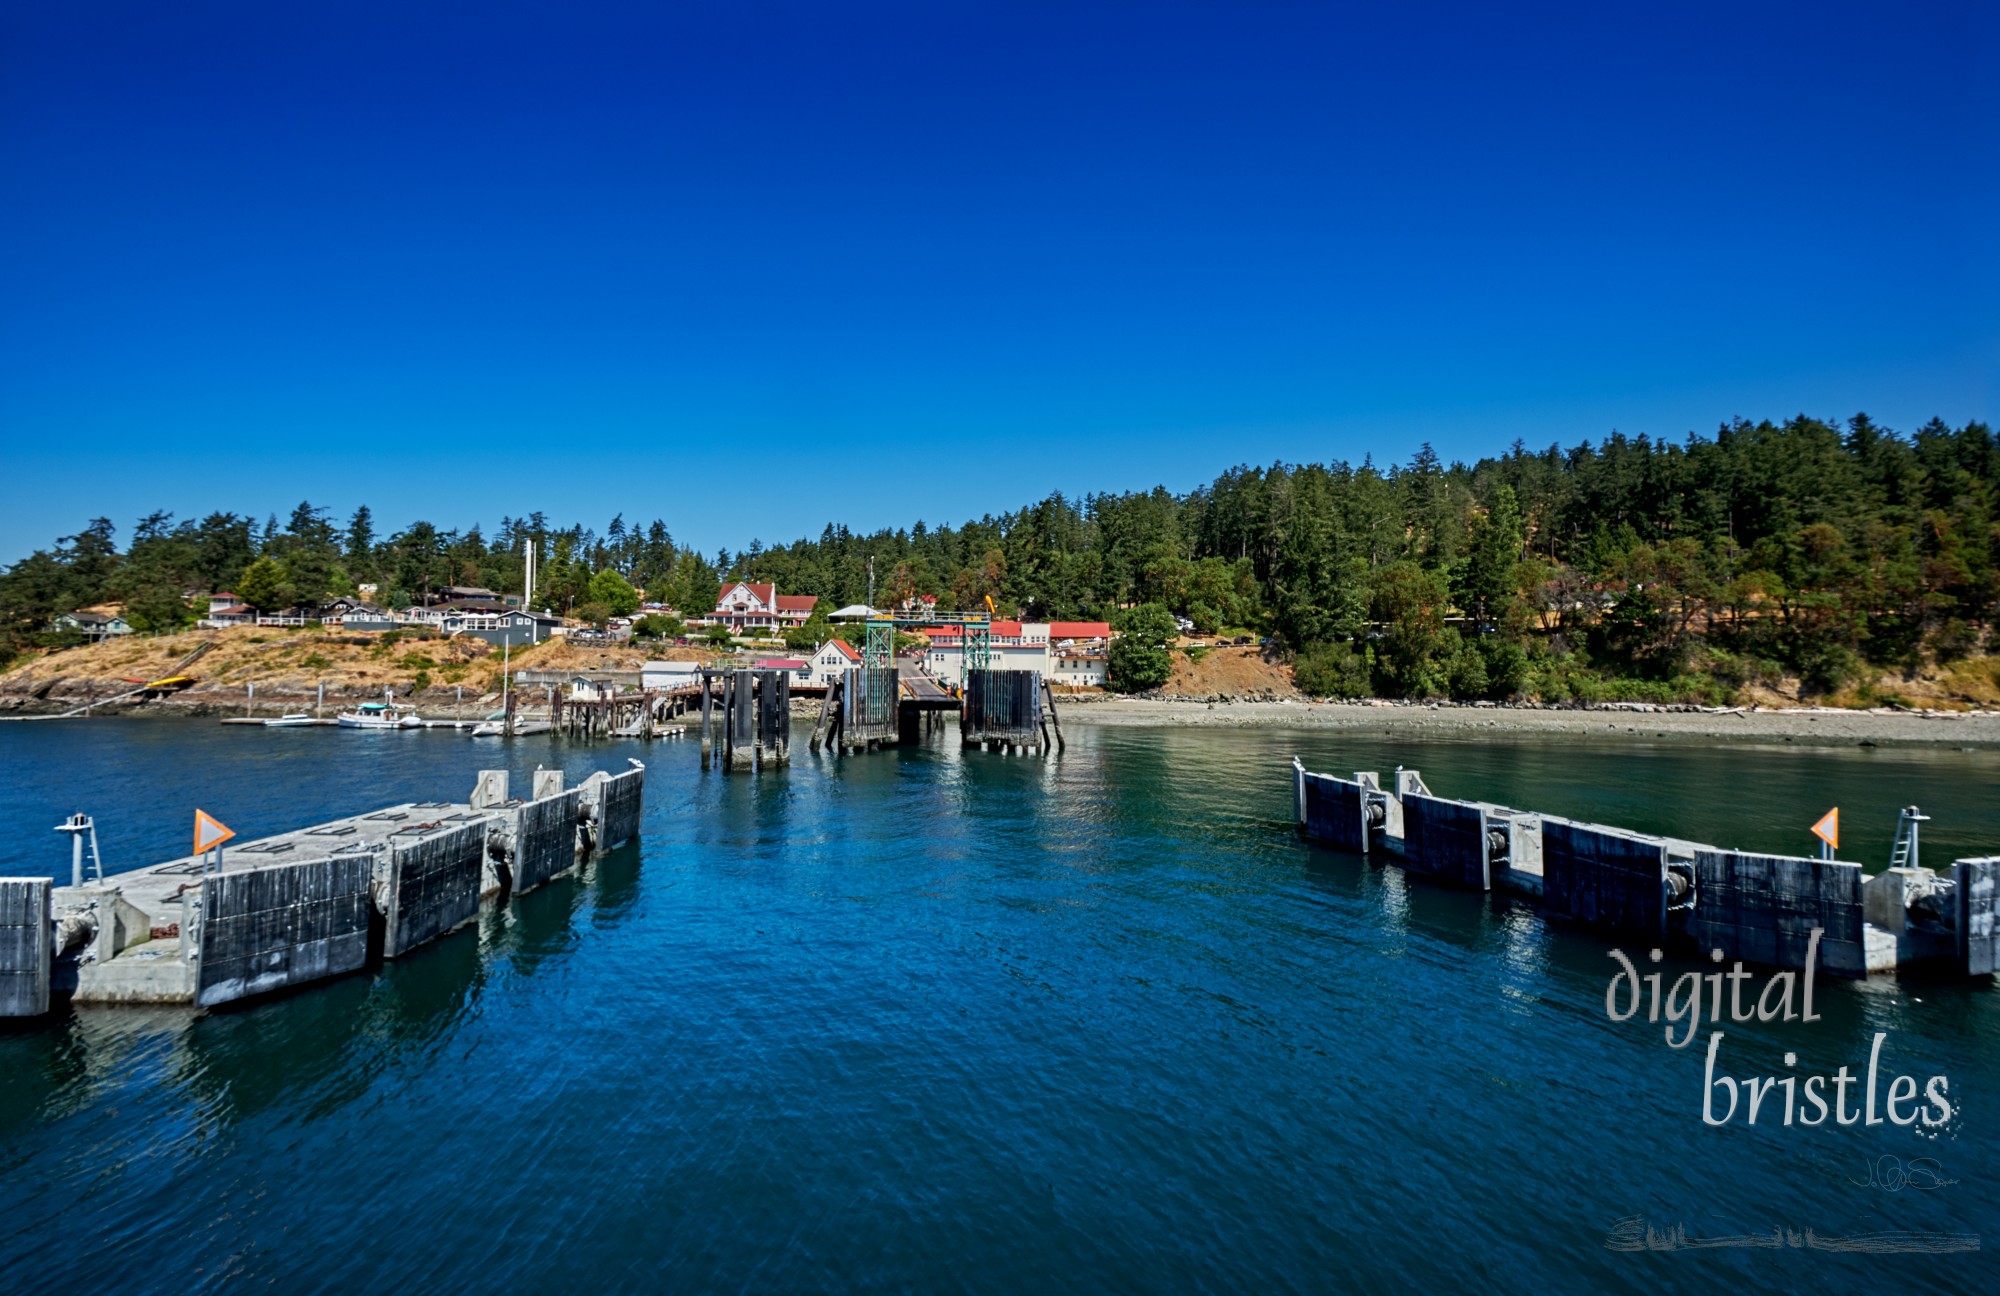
<point x="1335" y="812"/>
<point x="1447" y="840"/>
<point x="620" y="802"/>
<point x="545" y="838"/>
<point x="1762" y="909"/>
<point x="26" y="951"/>
<point x="1978" y="887"/>
<point x="490" y="792"/>
<point x="434" y="885"/>
<point x="1915" y="910"/>
<point x="267" y="928"/>
<point x="1523" y="873"/>
<point x="1604" y="877"/>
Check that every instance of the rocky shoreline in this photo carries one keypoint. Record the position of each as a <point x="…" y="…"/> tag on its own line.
<point x="1828" y="726"/>
<point x="1822" y="726"/>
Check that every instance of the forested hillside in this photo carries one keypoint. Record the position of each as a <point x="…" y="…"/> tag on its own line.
<point x="1629" y="567"/>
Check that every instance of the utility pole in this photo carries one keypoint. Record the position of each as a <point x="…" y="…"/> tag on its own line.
<point x="871" y="583"/>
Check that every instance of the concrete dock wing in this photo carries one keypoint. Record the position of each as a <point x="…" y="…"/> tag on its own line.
<point x="300" y="906"/>
<point x="279" y="925"/>
<point x="1757" y="907"/>
<point x="432" y="882"/>
<point x="26" y="946"/>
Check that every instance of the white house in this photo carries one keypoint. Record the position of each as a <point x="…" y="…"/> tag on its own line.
<point x="358" y="615"/>
<point x="747" y="606"/>
<point x="832" y="658"/>
<point x="224" y="610"/>
<point x="1077" y="667"/>
<point x="656" y="676"/>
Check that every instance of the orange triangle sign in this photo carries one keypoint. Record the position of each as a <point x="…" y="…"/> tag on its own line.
<point x="1828" y="828"/>
<point x="208" y="833"/>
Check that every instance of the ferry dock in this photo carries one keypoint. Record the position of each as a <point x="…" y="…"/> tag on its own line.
<point x="1773" y="910"/>
<point x="241" y="920"/>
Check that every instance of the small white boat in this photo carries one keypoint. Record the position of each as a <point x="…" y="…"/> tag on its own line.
<point x="490" y="729"/>
<point x="379" y="715"/>
<point x="288" y="721"/>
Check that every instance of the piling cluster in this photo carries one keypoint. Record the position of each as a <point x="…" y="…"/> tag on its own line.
<point x="754" y="711"/>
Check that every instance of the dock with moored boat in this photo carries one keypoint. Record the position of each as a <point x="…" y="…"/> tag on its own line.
<point x="248" y="919"/>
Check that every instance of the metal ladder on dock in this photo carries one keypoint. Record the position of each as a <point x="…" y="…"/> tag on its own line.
<point x="1905" y="853"/>
<point x="82" y="830"/>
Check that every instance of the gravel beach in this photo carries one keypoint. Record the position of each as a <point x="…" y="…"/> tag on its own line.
<point x="1832" y="728"/>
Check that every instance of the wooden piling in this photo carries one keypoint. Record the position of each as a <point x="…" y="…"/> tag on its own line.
<point x="825" y="710"/>
<point x="707" y="704"/>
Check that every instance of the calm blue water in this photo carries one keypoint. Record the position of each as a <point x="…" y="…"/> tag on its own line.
<point x="924" y="1021"/>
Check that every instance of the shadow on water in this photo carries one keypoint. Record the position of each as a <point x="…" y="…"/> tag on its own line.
<point x="613" y="881"/>
<point x="329" y="1039"/>
<point x="533" y="928"/>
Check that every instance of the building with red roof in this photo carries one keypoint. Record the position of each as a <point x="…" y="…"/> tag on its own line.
<point x="829" y="660"/>
<point x="1079" y="631"/>
<point x="748" y="606"/>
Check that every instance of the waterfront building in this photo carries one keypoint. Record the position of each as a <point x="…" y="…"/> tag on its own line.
<point x="225" y="610"/>
<point x="747" y="606"/>
<point x="1065" y="652"/>
<point x="657" y="676"/>
<point x="358" y="614"/>
<point x="829" y="660"/>
<point x="1077" y="667"/>
<point x="95" y="626"/>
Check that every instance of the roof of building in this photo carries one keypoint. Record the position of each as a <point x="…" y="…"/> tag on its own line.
<point x="797" y="602"/>
<point x="89" y="618"/>
<point x="1079" y="629"/>
<point x="852" y="611"/>
<point x="780" y="663"/>
<point x="998" y="629"/>
<point x="846" y="649"/>
<point x="762" y="593"/>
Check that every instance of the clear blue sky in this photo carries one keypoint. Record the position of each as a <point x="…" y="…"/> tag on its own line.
<point x="936" y="259"/>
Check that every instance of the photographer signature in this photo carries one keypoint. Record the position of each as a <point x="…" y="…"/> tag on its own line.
<point x="1893" y="1174"/>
